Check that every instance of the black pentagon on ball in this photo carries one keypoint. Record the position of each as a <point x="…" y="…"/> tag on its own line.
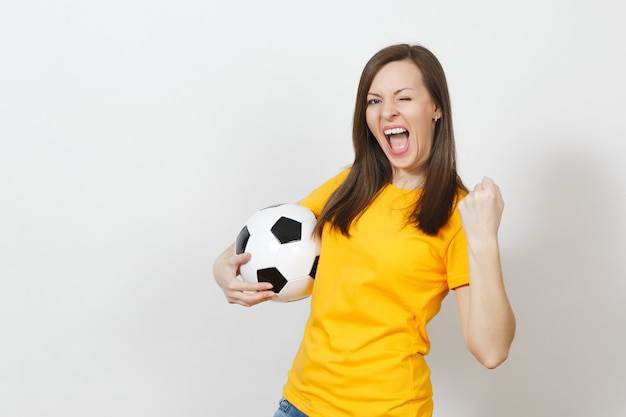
<point x="287" y="230"/>
<point x="242" y="240"/>
<point x="273" y="276"/>
<point x="314" y="268"/>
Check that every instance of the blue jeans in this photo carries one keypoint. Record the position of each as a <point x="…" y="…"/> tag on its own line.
<point x="286" y="409"/>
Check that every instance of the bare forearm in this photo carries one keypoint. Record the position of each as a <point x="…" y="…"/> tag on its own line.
<point x="490" y="322"/>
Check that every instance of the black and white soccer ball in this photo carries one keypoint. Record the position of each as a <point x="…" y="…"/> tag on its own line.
<point x="283" y="250"/>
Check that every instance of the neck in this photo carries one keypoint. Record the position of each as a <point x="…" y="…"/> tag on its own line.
<point x="407" y="181"/>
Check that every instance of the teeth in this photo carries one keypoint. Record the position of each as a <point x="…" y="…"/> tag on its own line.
<point x="394" y="131"/>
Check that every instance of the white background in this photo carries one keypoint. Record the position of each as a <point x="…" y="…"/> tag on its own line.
<point x="137" y="136"/>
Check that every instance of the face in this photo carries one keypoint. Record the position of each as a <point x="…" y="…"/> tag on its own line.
<point x="401" y="115"/>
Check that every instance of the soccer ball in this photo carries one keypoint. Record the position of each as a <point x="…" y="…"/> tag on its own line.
<point x="283" y="251"/>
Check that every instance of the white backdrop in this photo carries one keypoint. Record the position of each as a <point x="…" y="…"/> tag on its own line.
<point x="137" y="136"/>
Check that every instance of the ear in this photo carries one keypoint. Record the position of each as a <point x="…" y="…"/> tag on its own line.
<point x="436" y="112"/>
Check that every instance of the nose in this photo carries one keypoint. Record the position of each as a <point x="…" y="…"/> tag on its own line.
<point x="389" y="110"/>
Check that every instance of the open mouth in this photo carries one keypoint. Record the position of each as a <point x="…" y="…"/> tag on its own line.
<point x="397" y="139"/>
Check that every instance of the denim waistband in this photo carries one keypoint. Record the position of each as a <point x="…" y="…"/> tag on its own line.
<point x="289" y="409"/>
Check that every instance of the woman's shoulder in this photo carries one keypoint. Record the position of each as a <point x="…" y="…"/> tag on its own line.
<point x="318" y="197"/>
<point x="461" y="192"/>
<point x="453" y="225"/>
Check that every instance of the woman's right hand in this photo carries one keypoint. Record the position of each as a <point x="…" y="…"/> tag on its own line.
<point x="226" y="270"/>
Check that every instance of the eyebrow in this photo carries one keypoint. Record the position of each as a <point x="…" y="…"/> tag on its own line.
<point x="394" y="93"/>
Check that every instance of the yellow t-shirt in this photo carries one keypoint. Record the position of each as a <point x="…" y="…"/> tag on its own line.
<point x="362" y="354"/>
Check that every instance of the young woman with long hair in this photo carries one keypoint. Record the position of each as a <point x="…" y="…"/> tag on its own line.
<point x="398" y="231"/>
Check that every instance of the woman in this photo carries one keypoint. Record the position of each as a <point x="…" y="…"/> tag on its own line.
<point x="398" y="230"/>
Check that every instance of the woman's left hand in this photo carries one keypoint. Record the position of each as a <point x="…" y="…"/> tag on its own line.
<point x="481" y="210"/>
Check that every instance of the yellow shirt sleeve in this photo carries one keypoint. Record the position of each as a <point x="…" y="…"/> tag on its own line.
<point x="457" y="268"/>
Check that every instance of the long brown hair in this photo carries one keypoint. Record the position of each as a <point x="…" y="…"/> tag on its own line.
<point x="371" y="169"/>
